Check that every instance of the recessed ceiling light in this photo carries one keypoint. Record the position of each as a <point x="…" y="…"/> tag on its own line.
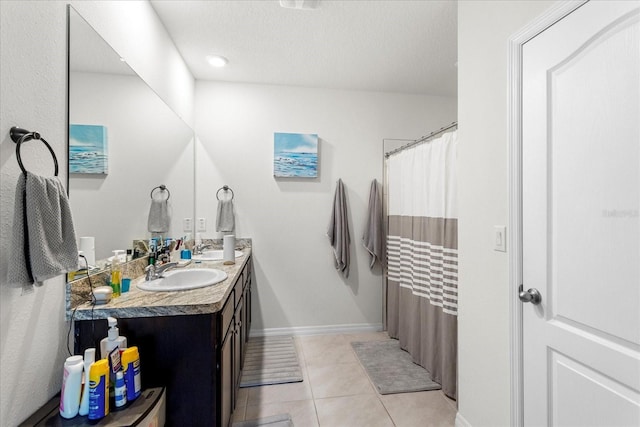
<point x="217" y="60"/>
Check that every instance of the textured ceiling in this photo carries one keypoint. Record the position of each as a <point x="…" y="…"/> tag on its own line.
<point x="374" y="45"/>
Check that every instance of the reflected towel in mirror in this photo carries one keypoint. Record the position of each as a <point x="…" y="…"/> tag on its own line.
<point x="224" y="218"/>
<point x="159" y="216"/>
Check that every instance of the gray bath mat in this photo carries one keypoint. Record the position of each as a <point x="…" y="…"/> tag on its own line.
<point x="270" y="360"/>
<point x="391" y="368"/>
<point x="273" y="421"/>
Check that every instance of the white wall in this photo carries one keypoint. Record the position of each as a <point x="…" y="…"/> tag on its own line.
<point x="33" y="87"/>
<point x="156" y="148"/>
<point x="483" y="329"/>
<point x="133" y="29"/>
<point x="32" y="329"/>
<point x="297" y="285"/>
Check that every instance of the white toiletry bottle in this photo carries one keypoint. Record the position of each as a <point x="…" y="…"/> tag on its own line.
<point x="113" y="339"/>
<point x="107" y="345"/>
<point x="71" y="387"/>
<point x="120" y="390"/>
<point x="89" y="358"/>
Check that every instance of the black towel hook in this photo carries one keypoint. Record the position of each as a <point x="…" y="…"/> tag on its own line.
<point x="162" y="187"/>
<point x="225" y="188"/>
<point x="19" y="135"/>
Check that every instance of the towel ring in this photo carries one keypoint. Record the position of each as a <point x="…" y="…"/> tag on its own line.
<point x="162" y="187"/>
<point x="225" y="188"/>
<point x="19" y="135"/>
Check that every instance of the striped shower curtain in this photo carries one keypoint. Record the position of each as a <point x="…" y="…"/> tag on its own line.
<point x="422" y="250"/>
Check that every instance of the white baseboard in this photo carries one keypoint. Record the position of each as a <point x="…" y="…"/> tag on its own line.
<point x="318" y="330"/>
<point x="461" y="421"/>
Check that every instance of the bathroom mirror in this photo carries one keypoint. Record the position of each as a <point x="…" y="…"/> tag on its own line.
<point x="147" y="145"/>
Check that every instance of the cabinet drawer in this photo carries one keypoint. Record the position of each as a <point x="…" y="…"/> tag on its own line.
<point x="241" y="278"/>
<point x="239" y="286"/>
<point x="247" y="271"/>
<point x="227" y="314"/>
<point x="238" y="292"/>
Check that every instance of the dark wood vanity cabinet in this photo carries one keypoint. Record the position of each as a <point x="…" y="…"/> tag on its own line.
<point x="198" y="358"/>
<point x="236" y="336"/>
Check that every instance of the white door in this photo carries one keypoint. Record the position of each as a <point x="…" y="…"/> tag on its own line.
<point x="581" y="234"/>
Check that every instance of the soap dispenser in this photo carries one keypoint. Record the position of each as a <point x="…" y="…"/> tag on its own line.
<point x="107" y="346"/>
<point x="116" y="273"/>
<point x="113" y="339"/>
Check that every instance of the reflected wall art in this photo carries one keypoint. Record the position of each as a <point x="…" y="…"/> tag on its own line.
<point x="88" y="149"/>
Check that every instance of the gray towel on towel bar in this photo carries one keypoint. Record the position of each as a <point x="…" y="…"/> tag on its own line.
<point x="48" y="237"/>
<point x="159" y="217"/>
<point x="373" y="235"/>
<point x="224" y="218"/>
<point x="338" y="231"/>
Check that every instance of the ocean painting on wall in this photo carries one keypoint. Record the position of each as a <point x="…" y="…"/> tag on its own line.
<point x="88" y="149"/>
<point x="295" y="155"/>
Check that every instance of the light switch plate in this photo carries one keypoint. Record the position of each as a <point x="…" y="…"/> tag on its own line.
<point x="202" y="224"/>
<point x="500" y="238"/>
<point x="187" y="224"/>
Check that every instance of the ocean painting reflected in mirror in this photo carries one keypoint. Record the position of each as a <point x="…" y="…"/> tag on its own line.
<point x="88" y="149"/>
<point x="295" y="155"/>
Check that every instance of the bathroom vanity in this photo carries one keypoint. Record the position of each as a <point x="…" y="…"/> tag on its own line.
<point x="191" y="342"/>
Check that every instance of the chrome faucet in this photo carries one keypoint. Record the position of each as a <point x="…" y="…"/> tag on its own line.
<point x="153" y="272"/>
<point x="197" y="249"/>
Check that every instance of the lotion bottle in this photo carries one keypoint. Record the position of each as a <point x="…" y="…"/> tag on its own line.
<point x="120" y="390"/>
<point x="131" y="371"/>
<point x="71" y="387"/>
<point x="89" y="359"/>
<point x="99" y="390"/>
<point x="113" y="339"/>
<point x="107" y="346"/>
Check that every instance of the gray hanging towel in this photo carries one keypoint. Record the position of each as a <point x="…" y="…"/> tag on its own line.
<point x="338" y="231"/>
<point x="44" y="239"/>
<point x="224" y="218"/>
<point x="159" y="216"/>
<point x="373" y="235"/>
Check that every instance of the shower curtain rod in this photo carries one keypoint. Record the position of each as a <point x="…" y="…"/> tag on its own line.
<point x="423" y="139"/>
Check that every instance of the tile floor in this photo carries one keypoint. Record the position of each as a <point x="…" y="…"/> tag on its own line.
<point x="336" y="392"/>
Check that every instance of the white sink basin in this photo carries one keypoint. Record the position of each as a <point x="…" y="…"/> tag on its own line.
<point x="182" y="280"/>
<point x="213" y="255"/>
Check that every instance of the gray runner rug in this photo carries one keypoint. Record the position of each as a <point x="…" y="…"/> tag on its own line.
<point x="270" y="360"/>
<point x="391" y="368"/>
<point x="283" y="420"/>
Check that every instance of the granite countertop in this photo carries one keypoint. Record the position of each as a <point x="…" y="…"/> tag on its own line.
<point x="139" y="303"/>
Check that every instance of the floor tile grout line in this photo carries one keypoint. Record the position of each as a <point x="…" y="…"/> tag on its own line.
<point x="306" y="371"/>
<point x="385" y="409"/>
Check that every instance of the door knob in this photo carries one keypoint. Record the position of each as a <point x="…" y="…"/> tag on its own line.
<point x="532" y="295"/>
